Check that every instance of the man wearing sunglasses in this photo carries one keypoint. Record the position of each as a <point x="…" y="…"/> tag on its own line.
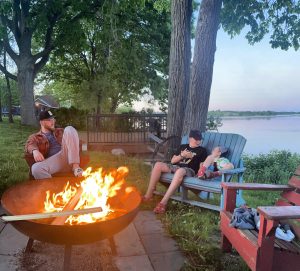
<point x="53" y="149"/>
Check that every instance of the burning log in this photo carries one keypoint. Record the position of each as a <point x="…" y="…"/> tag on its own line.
<point x="69" y="206"/>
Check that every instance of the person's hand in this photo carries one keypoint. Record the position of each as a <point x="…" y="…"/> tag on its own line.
<point x="38" y="157"/>
<point x="187" y="154"/>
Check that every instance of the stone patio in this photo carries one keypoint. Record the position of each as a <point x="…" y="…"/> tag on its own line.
<point x="142" y="246"/>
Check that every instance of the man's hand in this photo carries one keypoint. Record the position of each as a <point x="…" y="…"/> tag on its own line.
<point x="38" y="157"/>
<point x="187" y="154"/>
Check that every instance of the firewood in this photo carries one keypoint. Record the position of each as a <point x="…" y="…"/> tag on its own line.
<point x="68" y="207"/>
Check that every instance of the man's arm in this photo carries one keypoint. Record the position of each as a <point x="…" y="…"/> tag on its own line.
<point x="32" y="148"/>
<point x="31" y="144"/>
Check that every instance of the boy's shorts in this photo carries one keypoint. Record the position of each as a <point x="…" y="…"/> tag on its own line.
<point x="189" y="172"/>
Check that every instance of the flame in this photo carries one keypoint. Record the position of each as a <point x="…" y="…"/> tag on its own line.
<point x="96" y="189"/>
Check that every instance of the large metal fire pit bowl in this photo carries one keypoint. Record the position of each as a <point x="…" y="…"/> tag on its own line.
<point x="28" y="198"/>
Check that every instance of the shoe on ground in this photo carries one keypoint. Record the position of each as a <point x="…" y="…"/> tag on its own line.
<point x="78" y="172"/>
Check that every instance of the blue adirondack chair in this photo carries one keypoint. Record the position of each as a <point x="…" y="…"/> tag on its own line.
<point x="235" y="144"/>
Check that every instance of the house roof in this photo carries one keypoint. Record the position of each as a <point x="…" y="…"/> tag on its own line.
<point x="47" y="100"/>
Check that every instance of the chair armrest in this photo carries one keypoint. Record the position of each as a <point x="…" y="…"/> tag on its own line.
<point x="230" y="191"/>
<point x="256" y="186"/>
<point x="280" y="212"/>
<point x="233" y="171"/>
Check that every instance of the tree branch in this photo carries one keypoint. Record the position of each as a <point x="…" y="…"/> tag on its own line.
<point x="7" y="73"/>
<point x="9" y="50"/>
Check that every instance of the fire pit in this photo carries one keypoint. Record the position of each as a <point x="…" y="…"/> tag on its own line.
<point x="31" y="197"/>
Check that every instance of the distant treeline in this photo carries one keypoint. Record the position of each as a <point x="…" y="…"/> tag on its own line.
<point x="219" y="113"/>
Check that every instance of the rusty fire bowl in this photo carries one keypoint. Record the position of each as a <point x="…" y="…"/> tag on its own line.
<point x="28" y="198"/>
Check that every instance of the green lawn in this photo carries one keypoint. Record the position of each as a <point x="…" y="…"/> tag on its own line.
<point x="195" y="229"/>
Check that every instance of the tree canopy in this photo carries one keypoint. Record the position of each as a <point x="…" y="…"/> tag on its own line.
<point x="120" y="54"/>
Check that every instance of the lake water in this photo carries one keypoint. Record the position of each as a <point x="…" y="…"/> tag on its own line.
<point x="266" y="133"/>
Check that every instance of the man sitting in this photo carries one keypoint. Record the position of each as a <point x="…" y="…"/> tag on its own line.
<point x="184" y="163"/>
<point x="53" y="149"/>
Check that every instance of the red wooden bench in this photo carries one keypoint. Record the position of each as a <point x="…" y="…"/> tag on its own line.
<point x="262" y="251"/>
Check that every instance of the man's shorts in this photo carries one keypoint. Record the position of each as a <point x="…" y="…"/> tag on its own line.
<point x="189" y="172"/>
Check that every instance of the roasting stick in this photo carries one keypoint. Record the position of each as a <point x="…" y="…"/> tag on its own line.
<point x="50" y="215"/>
<point x="69" y="207"/>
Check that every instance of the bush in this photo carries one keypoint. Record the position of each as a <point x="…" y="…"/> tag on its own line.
<point x="71" y="116"/>
<point x="275" y="167"/>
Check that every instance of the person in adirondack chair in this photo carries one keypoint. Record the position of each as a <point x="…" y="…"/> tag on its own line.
<point x="185" y="162"/>
<point x="52" y="150"/>
<point x="215" y="162"/>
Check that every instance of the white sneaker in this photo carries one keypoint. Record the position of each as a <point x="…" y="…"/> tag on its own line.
<point x="78" y="172"/>
<point x="281" y="234"/>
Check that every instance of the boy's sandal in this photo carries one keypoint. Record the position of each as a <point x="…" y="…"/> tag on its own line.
<point x="78" y="172"/>
<point x="160" y="208"/>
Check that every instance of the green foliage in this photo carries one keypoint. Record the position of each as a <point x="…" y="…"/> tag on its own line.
<point x="275" y="167"/>
<point x="71" y="116"/>
<point x="219" y="113"/>
<point x="278" y="19"/>
<point x="213" y="123"/>
<point x="120" y="54"/>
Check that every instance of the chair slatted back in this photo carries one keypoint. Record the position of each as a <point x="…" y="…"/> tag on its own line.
<point x="234" y="142"/>
<point x="292" y="198"/>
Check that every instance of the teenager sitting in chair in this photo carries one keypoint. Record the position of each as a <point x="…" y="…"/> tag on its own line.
<point x="52" y="150"/>
<point x="184" y="163"/>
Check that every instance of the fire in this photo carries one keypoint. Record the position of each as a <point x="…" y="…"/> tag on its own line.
<point x="94" y="191"/>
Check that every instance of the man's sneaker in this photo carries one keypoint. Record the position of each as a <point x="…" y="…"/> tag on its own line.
<point x="78" y="172"/>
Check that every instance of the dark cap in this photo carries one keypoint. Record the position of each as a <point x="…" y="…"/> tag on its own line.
<point x="196" y="134"/>
<point x="43" y="115"/>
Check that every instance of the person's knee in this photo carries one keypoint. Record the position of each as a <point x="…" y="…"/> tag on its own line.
<point x="70" y="129"/>
<point x="36" y="170"/>
<point x="159" y="165"/>
<point x="180" y="173"/>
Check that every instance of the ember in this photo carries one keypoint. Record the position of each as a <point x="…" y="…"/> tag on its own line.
<point x="96" y="190"/>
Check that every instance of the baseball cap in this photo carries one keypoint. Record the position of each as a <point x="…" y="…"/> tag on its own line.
<point x="43" y="115"/>
<point x="196" y="134"/>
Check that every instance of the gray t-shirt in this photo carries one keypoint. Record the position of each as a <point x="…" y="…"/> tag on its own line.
<point x="54" y="146"/>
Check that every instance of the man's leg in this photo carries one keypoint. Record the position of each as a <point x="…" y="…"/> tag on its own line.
<point x="53" y="164"/>
<point x="156" y="172"/>
<point x="177" y="180"/>
<point x="70" y="147"/>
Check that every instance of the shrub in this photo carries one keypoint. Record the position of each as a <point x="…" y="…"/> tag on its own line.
<point x="71" y="116"/>
<point x="274" y="167"/>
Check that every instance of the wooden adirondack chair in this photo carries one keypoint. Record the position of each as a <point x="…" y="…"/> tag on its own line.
<point x="262" y="251"/>
<point x="235" y="144"/>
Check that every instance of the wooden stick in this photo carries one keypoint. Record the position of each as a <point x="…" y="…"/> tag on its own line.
<point x="69" y="206"/>
<point x="50" y="215"/>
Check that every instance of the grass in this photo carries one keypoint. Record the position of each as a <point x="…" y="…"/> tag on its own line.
<point x="196" y="230"/>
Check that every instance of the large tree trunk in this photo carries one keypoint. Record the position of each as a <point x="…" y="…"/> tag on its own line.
<point x="179" y="68"/>
<point x="26" y="77"/>
<point x="202" y="67"/>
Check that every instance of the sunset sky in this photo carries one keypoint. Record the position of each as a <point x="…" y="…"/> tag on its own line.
<point x="254" y="77"/>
